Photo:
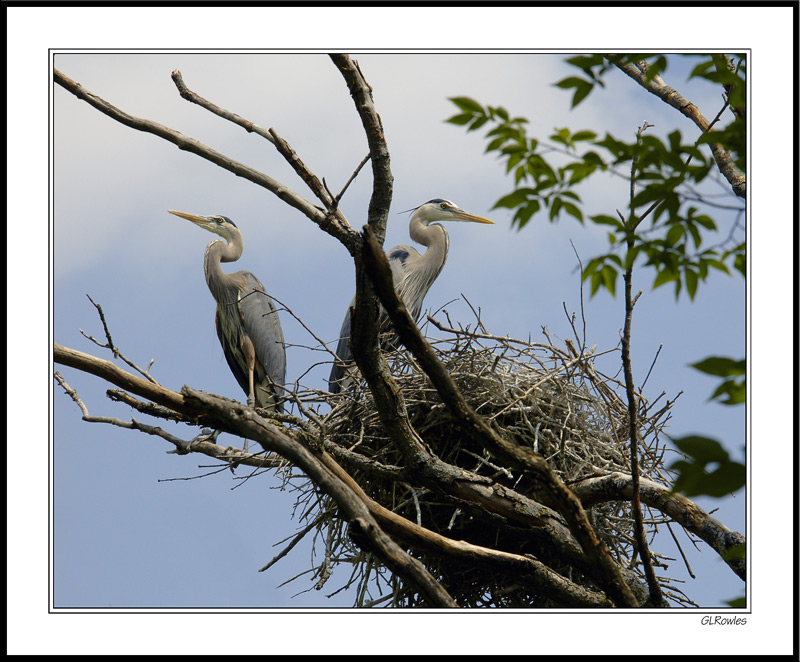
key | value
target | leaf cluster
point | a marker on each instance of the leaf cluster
(707, 469)
(666, 174)
(539, 183)
(732, 390)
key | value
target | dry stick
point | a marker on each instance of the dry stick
(680, 549)
(338, 197)
(114, 349)
(377, 271)
(641, 542)
(296, 539)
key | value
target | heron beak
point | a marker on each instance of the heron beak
(461, 215)
(202, 221)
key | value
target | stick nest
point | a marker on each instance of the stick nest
(550, 399)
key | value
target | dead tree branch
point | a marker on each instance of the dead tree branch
(684, 511)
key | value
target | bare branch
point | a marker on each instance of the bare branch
(311, 180)
(193, 97)
(633, 426)
(684, 511)
(326, 222)
(383, 180)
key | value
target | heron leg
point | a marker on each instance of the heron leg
(250, 356)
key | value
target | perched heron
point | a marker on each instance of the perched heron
(247, 321)
(413, 274)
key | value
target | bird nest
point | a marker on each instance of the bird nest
(537, 395)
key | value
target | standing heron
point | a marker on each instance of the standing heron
(412, 273)
(247, 321)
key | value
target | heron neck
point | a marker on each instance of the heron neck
(219, 251)
(435, 238)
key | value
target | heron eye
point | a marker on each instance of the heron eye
(444, 206)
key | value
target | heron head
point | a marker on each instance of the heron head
(439, 209)
(221, 225)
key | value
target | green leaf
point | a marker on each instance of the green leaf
(740, 264)
(524, 213)
(719, 265)
(572, 209)
(592, 265)
(463, 118)
(693, 479)
(602, 219)
(583, 135)
(737, 603)
(721, 366)
(664, 276)
(571, 81)
(597, 279)
(702, 449)
(690, 277)
(736, 392)
(513, 159)
(702, 69)
(630, 256)
(725, 479)
(478, 123)
(501, 112)
(581, 93)
(555, 208)
(468, 105)
(675, 234)
(513, 199)
(495, 144)
(609, 275)
(695, 234)
(706, 221)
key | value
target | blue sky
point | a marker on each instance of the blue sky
(125, 533)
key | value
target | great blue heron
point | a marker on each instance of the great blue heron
(247, 321)
(413, 274)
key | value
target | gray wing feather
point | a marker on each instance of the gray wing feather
(400, 259)
(261, 323)
(343, 352)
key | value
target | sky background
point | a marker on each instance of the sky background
(126, 534)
